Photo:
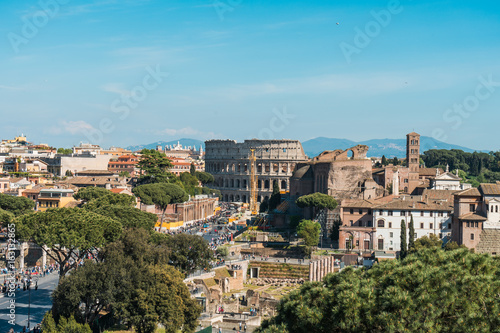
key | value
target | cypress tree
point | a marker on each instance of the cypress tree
(275, 198)
(404, 248)
(411, 241)
(192, 169)
(384, 160)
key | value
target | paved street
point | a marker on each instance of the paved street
(41, 302)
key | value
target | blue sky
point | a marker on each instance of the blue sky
(244, 69)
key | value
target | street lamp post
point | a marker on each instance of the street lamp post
(29, 301)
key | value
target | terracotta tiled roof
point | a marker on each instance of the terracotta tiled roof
(359, 204)
(471, 192)
(490, 189)
(416, 205)
(438, 195)
(472, 217)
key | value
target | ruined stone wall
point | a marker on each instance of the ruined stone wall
(229, 163)
(345, 178)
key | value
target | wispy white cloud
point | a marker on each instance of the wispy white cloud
(71, 127)
(116, 88)
(19, 88)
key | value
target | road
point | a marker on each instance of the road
(41, 302)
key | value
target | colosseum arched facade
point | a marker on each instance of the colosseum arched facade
(229, 163)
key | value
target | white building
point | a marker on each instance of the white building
(448, 181)
(431, 217)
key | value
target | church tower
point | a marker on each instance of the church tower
(413, 160)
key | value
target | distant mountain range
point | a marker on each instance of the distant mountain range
(184, 142)
(378, 147)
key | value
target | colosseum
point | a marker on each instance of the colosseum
(229, 163)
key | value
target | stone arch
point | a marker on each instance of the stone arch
(275, 167)
(350, 154)
(231, 198)
(244, 198)
(259, 183)
(266, 183)
(237, 198)
(259, 198)
(237, 183)
(226, 197)
(259, 167)
(283, 185)
(245, 185)
(232, 182)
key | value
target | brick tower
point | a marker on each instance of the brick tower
(413, 160)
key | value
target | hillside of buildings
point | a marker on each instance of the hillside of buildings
(186, 142)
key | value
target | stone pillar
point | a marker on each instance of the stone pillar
(21, 256)
(316, 272)
(310, 271)
(322, 269)
(44, 257)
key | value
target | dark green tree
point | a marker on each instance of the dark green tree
(404, 246)
(124, 174)
(70, 233)
(309, 231)
(69, 173)
(275, 198)
(192, 169)
(189, 252)
(65, 151)
(204, 177)
(428, 242)
(430, 291)
(161, 195)
(6, 218)
(411, 235)
(129, 217)
(318, 200)
(154, 167)
(16, 205)
(384, 161)
(395, 161)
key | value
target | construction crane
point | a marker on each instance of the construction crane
(253, 183)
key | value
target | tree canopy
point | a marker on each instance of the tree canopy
(318, 200)
(154, 166)
(189, 252)
(6, 217)
(16, 205)
(309, 231)
(204, 177)
(129, 217)
(133, 284)
(98, 196)
(68, 232)
(429, 291)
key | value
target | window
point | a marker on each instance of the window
(422, 213)
(369, 223)
(432, 213)
(351, 211)
(391, 234)
(369, 211)
(406, 180)
(431, 226)
(351, 222)
(403, 213)
(496, 209)
(492, 209)
(440, 214)
(361, 211)
(421, 225)
(357, 243)
(381, 223)
(389, 213)
(472, 207)
(477, 224)
(467, 224)
(471, 236)
(380, 244)
(390, 224)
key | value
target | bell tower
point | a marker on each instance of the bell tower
(413, 160)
